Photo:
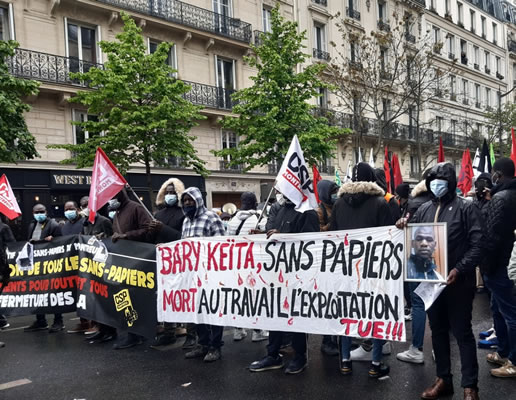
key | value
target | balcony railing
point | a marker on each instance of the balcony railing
(258, 37)
(45, 67)
(384, 26)
(511, 45)
(419, 3)
(189, 15)
(326, 169)
(321, 54)
(210, 96)
(321, 2)
(224, 166)
(351, 13)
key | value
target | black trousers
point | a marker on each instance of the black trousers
(210, 335)
(452, 311)
(276, 339)
(42, 319)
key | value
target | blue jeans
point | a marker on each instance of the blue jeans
(503, 307)
(345, 348)
(418, 317)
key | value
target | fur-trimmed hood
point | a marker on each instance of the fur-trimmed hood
(178, 185)
(355, 193)
(419, 189)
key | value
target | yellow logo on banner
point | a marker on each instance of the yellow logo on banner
(123, 303)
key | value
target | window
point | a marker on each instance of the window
(487, 59)
(479, 128)
(472, 20)
(266, 19)
(319, 37)
(452, 85)
(353, 5)
(171, 59)
(81, 47)
(353, 52)
(414, 165)
(81, 135)
(465, 127)
(447, 6)
(453, 126)
(465, 88)
(383, 59)
(463, 51)
(229, 141)
(382, 11)
(225, 80)
(223, 11)
(6, 22)
(460, 11)
(477, 94)
(451, 45)
(386, 105)
(483, 26)
(439, 124)
(322, 99)
(488, 97)
(498, 65)
(476, 55)
(495, 33)
(436, 34)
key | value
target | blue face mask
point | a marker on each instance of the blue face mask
(171, 199)
(112, 214)
(334, 198)
(70, 215)
(189, 211)
(439, 187)
(40, 217)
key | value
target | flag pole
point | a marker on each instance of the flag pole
(265, 206)
(141, 202)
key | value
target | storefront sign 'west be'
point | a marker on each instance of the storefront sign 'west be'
(72, 179)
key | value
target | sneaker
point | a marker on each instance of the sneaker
(267, 363)
(101, 337)
(508, 370)
(412, 355)
(489, 343)
(346, 367)
(129, 341)
(360, 354)
(408, 314)
(486, 334)
(95, 337)
(91, 331)
(180, 331)
(239, 334)
(163, 340)
(56, 327)
(79, 328)
(4, 324)
(259, 336)
(330, 349)
(378, 371)
(189, 343)
(495, 358)
(296, 365)
(35, 326)
(212, 355)
(387, 349)
(198, 352)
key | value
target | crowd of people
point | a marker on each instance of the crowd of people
(481, 234)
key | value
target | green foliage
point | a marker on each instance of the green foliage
(142, 114)
(16, 142)
(276, 107)
(501, 123)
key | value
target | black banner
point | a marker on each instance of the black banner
(111, 283)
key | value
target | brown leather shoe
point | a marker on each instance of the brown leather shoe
(438, 389)
(470, 394)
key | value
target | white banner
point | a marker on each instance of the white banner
(335, 283)
(293, 180)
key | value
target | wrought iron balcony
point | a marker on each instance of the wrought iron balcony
(224, 166)
(416, 3)
(477, 104)
(326, 169)
(383, 26)
(488, 71)
(321, 2)
(258, 37)
(273, 168)
(451, 56)
(511, 45)
(210, 96)
(321, 54)
(189, 15)
(499, 75)
(476, 66)
(409, 37)
(45, 67)
(351, 13)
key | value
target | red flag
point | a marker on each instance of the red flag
(440, 157)
(8, 204)
(513, 148)
(387, 170)
(465, 182)
(106, 182)
(396, 171)
(316, 180)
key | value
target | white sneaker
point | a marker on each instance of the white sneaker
(359, 354)
(259, 336)
(239, 334)
(387, 349)
(412, 355)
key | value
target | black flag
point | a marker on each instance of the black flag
(485, 161)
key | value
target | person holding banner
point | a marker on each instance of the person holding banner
(453, 308)
(74, 220)
(288, 220)
(361, 204)
(201, 222)
(44, 228)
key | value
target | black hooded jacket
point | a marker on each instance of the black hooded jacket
(394, 206)
(360, 205)
(464, 223)
(501, 223)
(289, 220)
(132, 219)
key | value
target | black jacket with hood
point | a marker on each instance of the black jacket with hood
(464, 223)
(419, 196)
(289, 220)
(394, 206)
(171, 216)
(501, 224)
(360, 205)
(324, 190)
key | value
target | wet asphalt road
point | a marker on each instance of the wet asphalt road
(63, 366)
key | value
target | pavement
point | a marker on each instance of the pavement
(63, 366)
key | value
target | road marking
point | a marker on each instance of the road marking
(12, 384)
(22, 327)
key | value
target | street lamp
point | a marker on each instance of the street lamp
(500, 128)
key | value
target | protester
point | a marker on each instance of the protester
(225, 218)
(287, 220)
(501, 223)
(244, 223)
(402, 195)
(44, 228)
(131, 223)
(83, 204)
(327, 191)
(361, 204)
(74, 221)
(419, 196)
(394, 206)
(167, 227)
(453, 308)
(201, 222)
(6, 237)
(273, 211)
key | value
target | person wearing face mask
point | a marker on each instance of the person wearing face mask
(83, 205)
(453, 308)
(74, 221)
(201, 222)
(44, 228)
